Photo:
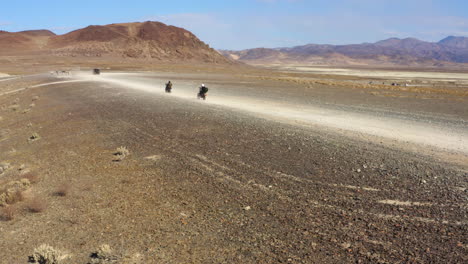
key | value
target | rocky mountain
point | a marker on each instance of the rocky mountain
(394, 51)
(455, 42)
(148, 40)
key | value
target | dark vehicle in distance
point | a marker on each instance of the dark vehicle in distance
(96, 71)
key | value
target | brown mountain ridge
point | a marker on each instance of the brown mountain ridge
(145, 40)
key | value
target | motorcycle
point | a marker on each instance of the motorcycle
(201, 95)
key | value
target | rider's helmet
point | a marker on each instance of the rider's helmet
(203, 85)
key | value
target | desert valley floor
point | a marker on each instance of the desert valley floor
(274, 167)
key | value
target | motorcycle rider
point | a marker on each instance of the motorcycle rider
(202, 92)
(168, 87)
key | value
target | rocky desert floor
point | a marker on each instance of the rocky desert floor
(275, 167)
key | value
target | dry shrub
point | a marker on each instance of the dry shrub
(121, 153)
(46, 254)
(13, 192)
(36, 205)
(104, 255)
(8, 213)
(63, 189)
(16, 197)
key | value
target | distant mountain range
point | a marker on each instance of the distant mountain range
(148, 40)
(409, 51)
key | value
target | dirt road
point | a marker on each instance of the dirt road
(444, 133)
(246, 177)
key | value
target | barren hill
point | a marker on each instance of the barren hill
(24, 41)
(394, 51)
(149, 40)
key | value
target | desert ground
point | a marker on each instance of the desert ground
(276, 166)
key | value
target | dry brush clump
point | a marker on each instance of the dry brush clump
(46, 254)
(121, 153)
(17, 196)
(104, 255)
(12, 192)
(36, 204)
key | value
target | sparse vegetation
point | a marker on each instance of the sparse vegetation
(121, 153)
(36, 205)
(46, 254)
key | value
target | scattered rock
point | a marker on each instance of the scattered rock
(346, 245)
(247, 208)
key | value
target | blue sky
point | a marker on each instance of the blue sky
(239, 24)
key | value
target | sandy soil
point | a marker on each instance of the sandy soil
(227, 181)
